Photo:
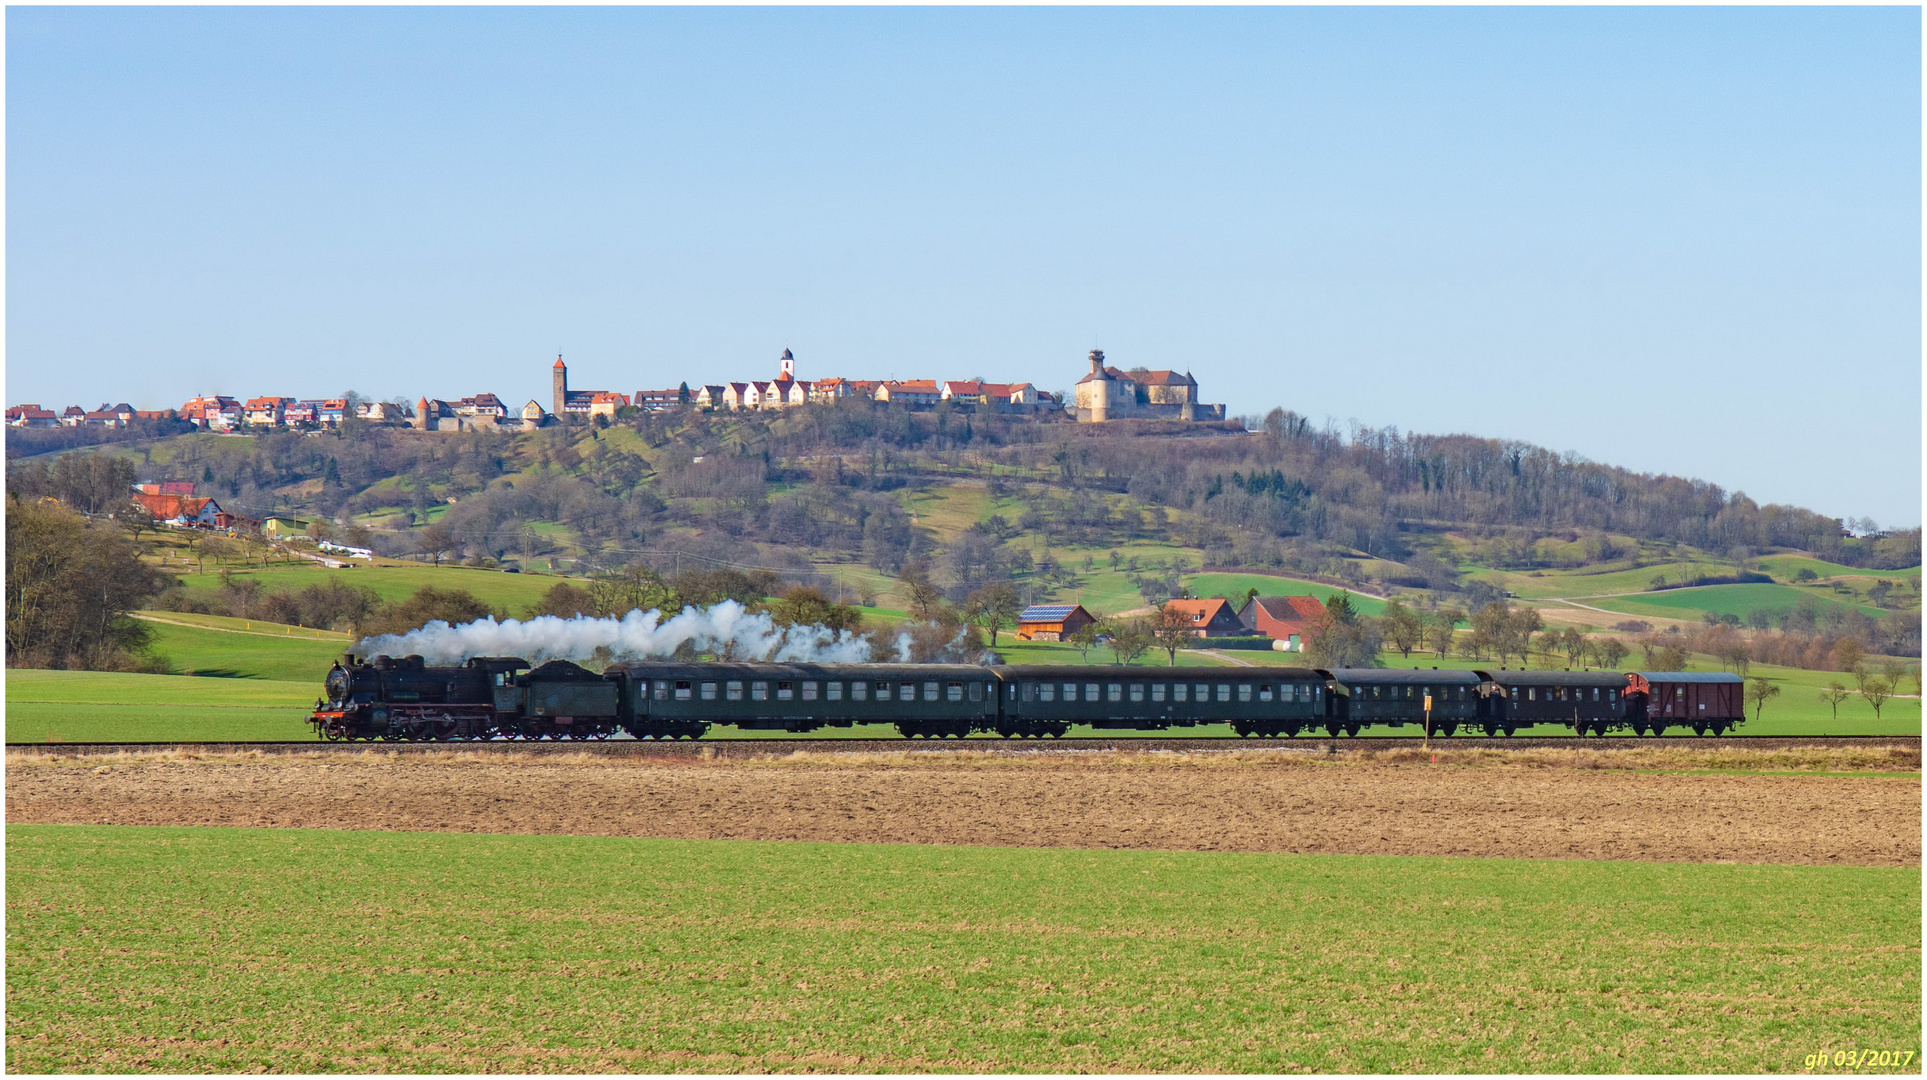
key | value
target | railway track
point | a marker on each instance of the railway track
(743, 748)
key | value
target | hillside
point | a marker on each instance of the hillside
(1115, 517)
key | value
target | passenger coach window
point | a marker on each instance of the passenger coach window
(709, 691)
(977, 691)
(784, 691)
(1090, 692)
(907, 692)
(1157, 691)
(859, 691)
(1047, 691)
(1203, 693)
(1264, 692)
(662, 690)
(952, 692)
(833, 691)
(1178, 691)
(682, 691)
(929, 691)
(809, 691)
(733, 690)
(1070, 691)
(1115, 692)
(759, 691)
(1224, 691)
(1137, 691)
(1244, 691)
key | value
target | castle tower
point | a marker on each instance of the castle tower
(421, 413)
(1101, 388)
(561, 388)
(788, 366)
(1189, 410)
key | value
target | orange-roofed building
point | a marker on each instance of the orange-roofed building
(1209, 618)
(1284, 619)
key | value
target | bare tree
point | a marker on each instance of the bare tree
(1402, 627)
(1758, 691)
(434, 541)
(1876, 690)
(1084, 638)
(993, 607)
(1607, 652)
(1835, 693)
(1129, 639)
(1172, 629)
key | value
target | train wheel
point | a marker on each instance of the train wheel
(1351, 730)
(1657, 729)
(1292, 730)
(1511, 729)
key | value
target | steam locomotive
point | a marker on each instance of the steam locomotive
(506, 698)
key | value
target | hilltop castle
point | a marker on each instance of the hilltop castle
(1109, 394)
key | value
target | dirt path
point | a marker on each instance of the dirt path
(1170, 802)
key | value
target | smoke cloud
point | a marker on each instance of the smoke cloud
(726, 629)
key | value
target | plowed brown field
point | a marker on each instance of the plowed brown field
(1539, 809)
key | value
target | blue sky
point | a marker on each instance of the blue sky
(1680, 240)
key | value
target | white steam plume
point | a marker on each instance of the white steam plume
(725, 629)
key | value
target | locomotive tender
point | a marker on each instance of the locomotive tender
(504, 697)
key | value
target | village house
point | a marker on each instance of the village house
(1052, 622)
(73, 416)
(1284, 619)
(913, 393)
(606, 402)
(32, 416)
(829, 391)
(267, 411)
(182, 509)
(664, 400)
(1209, 618)
(214, 412)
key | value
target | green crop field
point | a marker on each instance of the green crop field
(1237, 585)
(1785, 566)
(220, 652)
(101, 706)
(516, 592)
(234, 950)
(1736, 600)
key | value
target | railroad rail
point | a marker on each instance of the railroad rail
(748, 748)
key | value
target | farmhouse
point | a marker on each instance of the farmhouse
(1052, 622)
(1209, 618)
(1281, 618)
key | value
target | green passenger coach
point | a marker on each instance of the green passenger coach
(1256, 701)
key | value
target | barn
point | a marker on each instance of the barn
(1052, 622)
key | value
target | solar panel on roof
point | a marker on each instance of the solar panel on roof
(1046, 612)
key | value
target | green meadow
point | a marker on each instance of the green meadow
(221, 652)
(1736, 600)
(515, 592)
(104, 706)
(236, 950)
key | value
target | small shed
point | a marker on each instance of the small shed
(1052, 622)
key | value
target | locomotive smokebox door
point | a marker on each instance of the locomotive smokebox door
(559, 688)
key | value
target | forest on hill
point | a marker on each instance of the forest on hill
(793, 491)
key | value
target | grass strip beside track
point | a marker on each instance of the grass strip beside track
(228, 950)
